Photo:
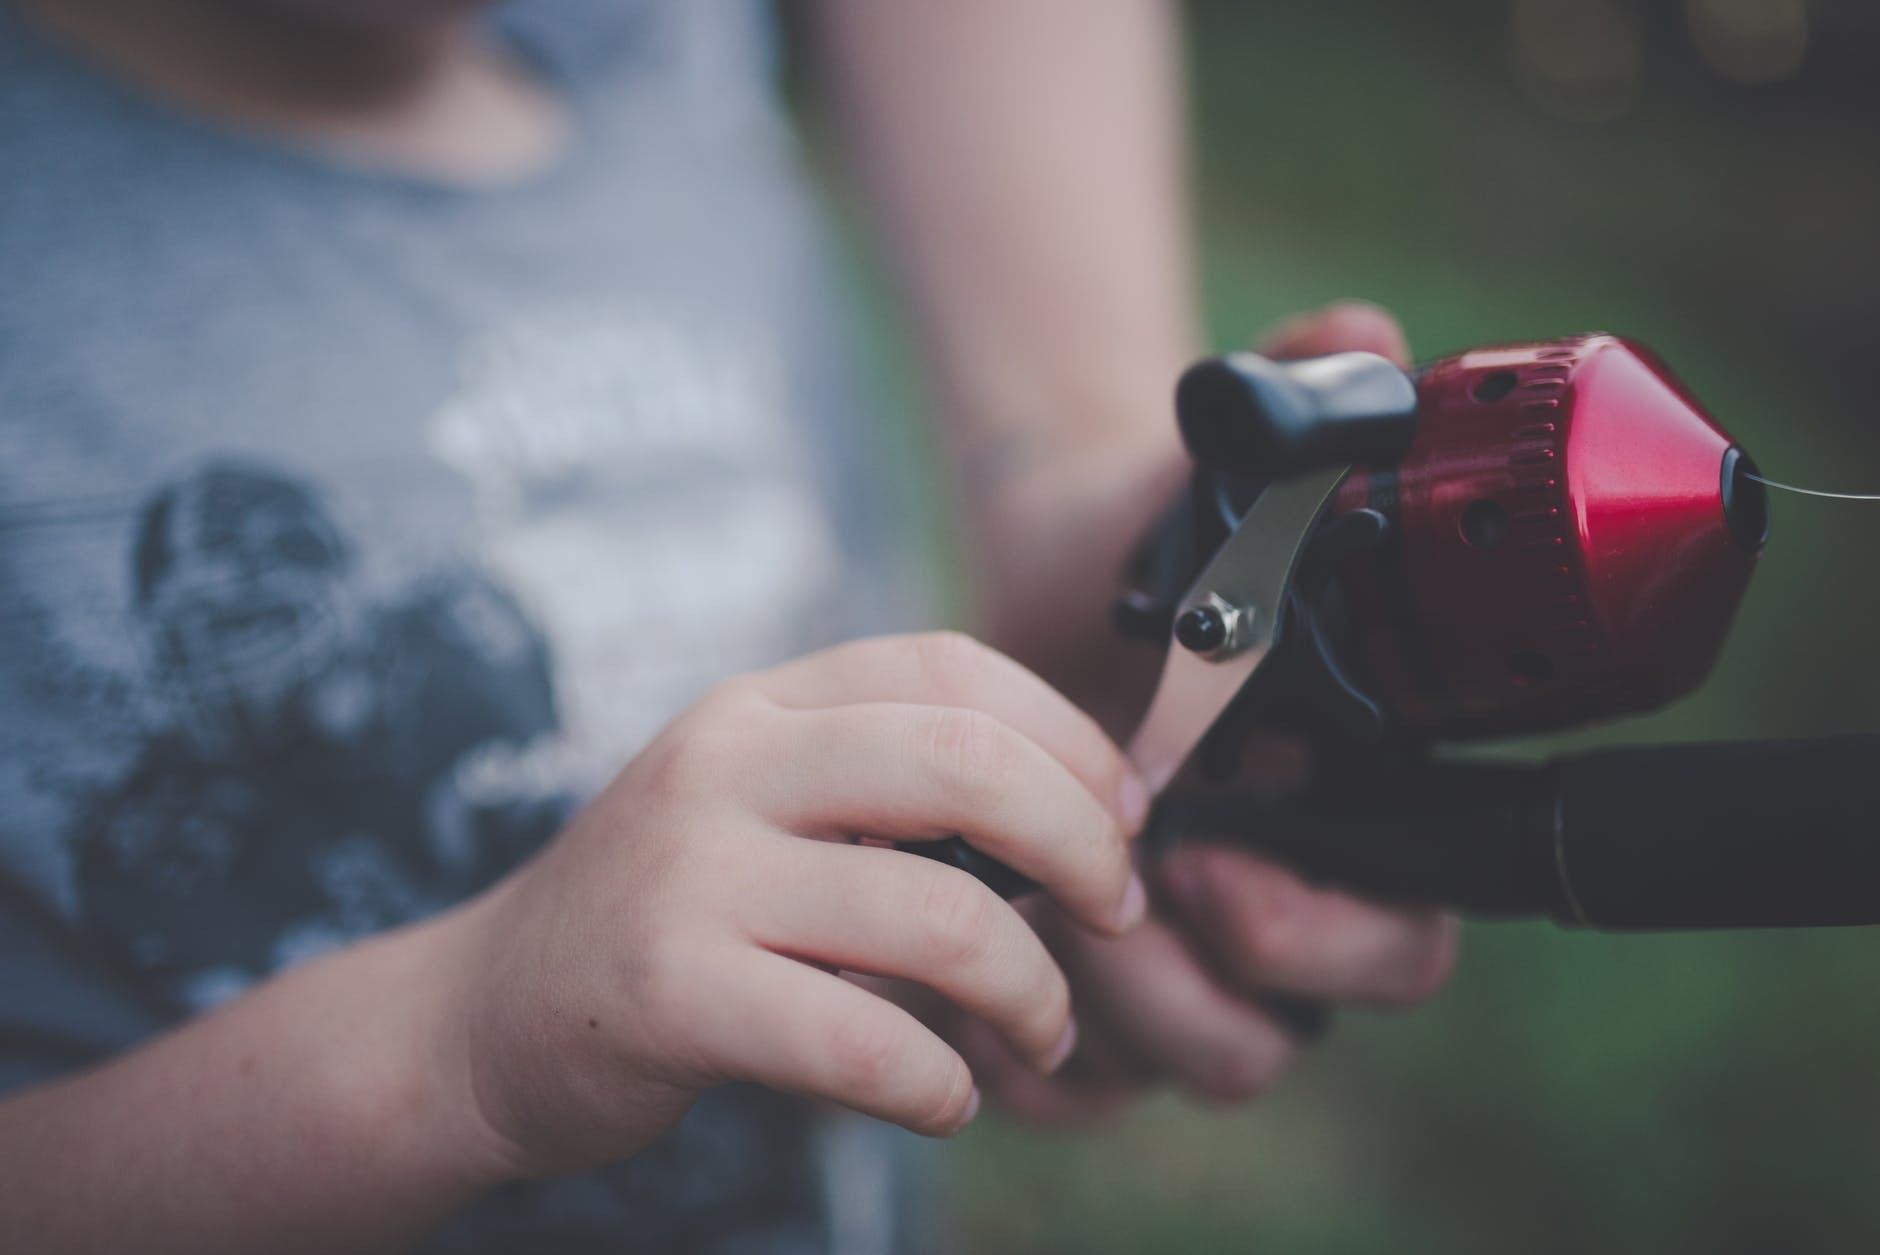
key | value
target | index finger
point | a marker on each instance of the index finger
(953, 669)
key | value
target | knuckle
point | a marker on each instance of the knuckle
(1275, 942)
(866, 1050)
(666, 988)
(1110, 770)
(956, 916)
(969, 751)
(698, 754)
(732, 698)
(663, 978)
(1242, 1075)
(1269, 932)
(949, 659)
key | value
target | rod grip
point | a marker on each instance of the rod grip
(1716, 835)
(954, 852)
(1750, 834)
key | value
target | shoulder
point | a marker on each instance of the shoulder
(96, 167)
(718, 59)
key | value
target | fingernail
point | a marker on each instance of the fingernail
(1066, 1042)
(1235, 1078)
(1132, 801)
(972, 1109)
(1135, 904)
(1182, 881)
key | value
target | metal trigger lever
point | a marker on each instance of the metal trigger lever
(1227, 624)
(1224, 628)
(1297, 427)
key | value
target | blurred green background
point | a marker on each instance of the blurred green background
(1703, 175)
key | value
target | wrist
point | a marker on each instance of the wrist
(402, 1069)
(1049, 544)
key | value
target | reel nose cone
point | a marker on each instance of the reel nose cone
(1575, 535)
(1671, 520)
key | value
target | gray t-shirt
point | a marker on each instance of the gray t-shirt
(353, 526)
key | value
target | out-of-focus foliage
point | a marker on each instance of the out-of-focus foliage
(1705, 176)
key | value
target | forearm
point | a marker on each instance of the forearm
(1028, 162)
(321, 1112)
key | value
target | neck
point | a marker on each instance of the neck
(427, 96)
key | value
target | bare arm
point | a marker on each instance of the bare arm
(683, 932)
(1028, 162)
(314, 1114)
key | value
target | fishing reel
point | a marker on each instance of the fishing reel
(1385, 564)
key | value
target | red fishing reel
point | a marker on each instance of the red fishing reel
(1572, 534)
(1529, 537)
(1509, 540)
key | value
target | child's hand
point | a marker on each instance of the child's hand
(1183, 1000)
(686, 929)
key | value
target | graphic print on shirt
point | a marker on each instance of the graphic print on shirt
(302, 788)
(638, 482)
(425, 392)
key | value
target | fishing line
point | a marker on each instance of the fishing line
(1814, 492)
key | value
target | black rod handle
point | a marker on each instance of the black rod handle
(1718, 835)
(1747, 834)
(1470, 836)
(954, 852)
(1714, 835)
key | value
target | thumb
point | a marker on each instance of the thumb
(1337, 328)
